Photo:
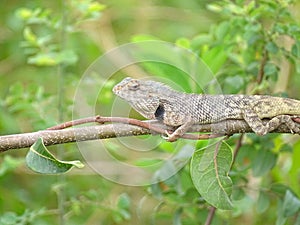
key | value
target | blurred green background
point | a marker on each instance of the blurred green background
(46, 46)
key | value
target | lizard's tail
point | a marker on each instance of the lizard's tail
(271, 107)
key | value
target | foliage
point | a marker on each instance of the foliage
(251, 46)
(40, 160)
(42, 46)
(209, 171)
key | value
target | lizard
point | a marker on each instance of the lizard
(155, 100)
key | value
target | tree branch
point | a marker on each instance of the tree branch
(104, 131)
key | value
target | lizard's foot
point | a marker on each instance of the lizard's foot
(274, 123)
(290, 123)
(296, 119)
(181, 130)
(170, 137)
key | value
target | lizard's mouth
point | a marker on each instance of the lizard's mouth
(151, 117)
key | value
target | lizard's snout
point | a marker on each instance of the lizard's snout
(116, 89)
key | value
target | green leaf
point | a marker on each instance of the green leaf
(30, 36)
(263, 202)
(235, 9)
(9, 218)
(280, 28)
(183, 42)
(294, 169)
(270, 69)
(40, 160)
(27, 217)
(214, 8)
(143, 37)
(279, 188)
(177, 216)
(96, 7)
(272, 47)
(263, 162)
(291, 204)
(44, 59)
(124, 201)
(233, 84)
(238, 193)
(209, 172)
(67, 57)
(281, 219)
(222, 30)
(9, 164)
(123, 206)
(24, 13)
(215, 58)
(200, 40)
(296, 49)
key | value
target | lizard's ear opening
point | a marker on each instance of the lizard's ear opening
(159, 113)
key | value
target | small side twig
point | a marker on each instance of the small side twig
(261, 72)
(72, 123)
(139, 123)
(210, 216)
(154, 128)
(237, 148)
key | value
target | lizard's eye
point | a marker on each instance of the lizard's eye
(134, 87)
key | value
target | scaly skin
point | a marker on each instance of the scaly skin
(155, 100)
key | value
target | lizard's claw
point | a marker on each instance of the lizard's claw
(170, 137)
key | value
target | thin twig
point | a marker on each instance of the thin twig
(72, 123)
(139, 123)
(237, 148)
(154, 128)
(210, 216)
(261, 72)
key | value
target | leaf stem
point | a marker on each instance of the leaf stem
(210, 216)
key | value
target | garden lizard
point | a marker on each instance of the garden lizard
(155, 100)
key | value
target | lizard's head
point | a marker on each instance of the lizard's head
(142, 95)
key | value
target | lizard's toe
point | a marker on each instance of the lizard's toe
(166, 135)
(170, 137)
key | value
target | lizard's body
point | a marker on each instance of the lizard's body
(156, 100)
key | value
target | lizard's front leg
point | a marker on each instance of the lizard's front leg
(178, 132)
(256, 124)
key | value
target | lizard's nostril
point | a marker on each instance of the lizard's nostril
(116, 89)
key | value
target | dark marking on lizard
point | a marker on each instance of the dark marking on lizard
(160, 112)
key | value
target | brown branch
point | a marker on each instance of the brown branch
(261, 72)
(139, 123)
(237, 148)
(103, 131)
(72, 123)
(210, 216)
